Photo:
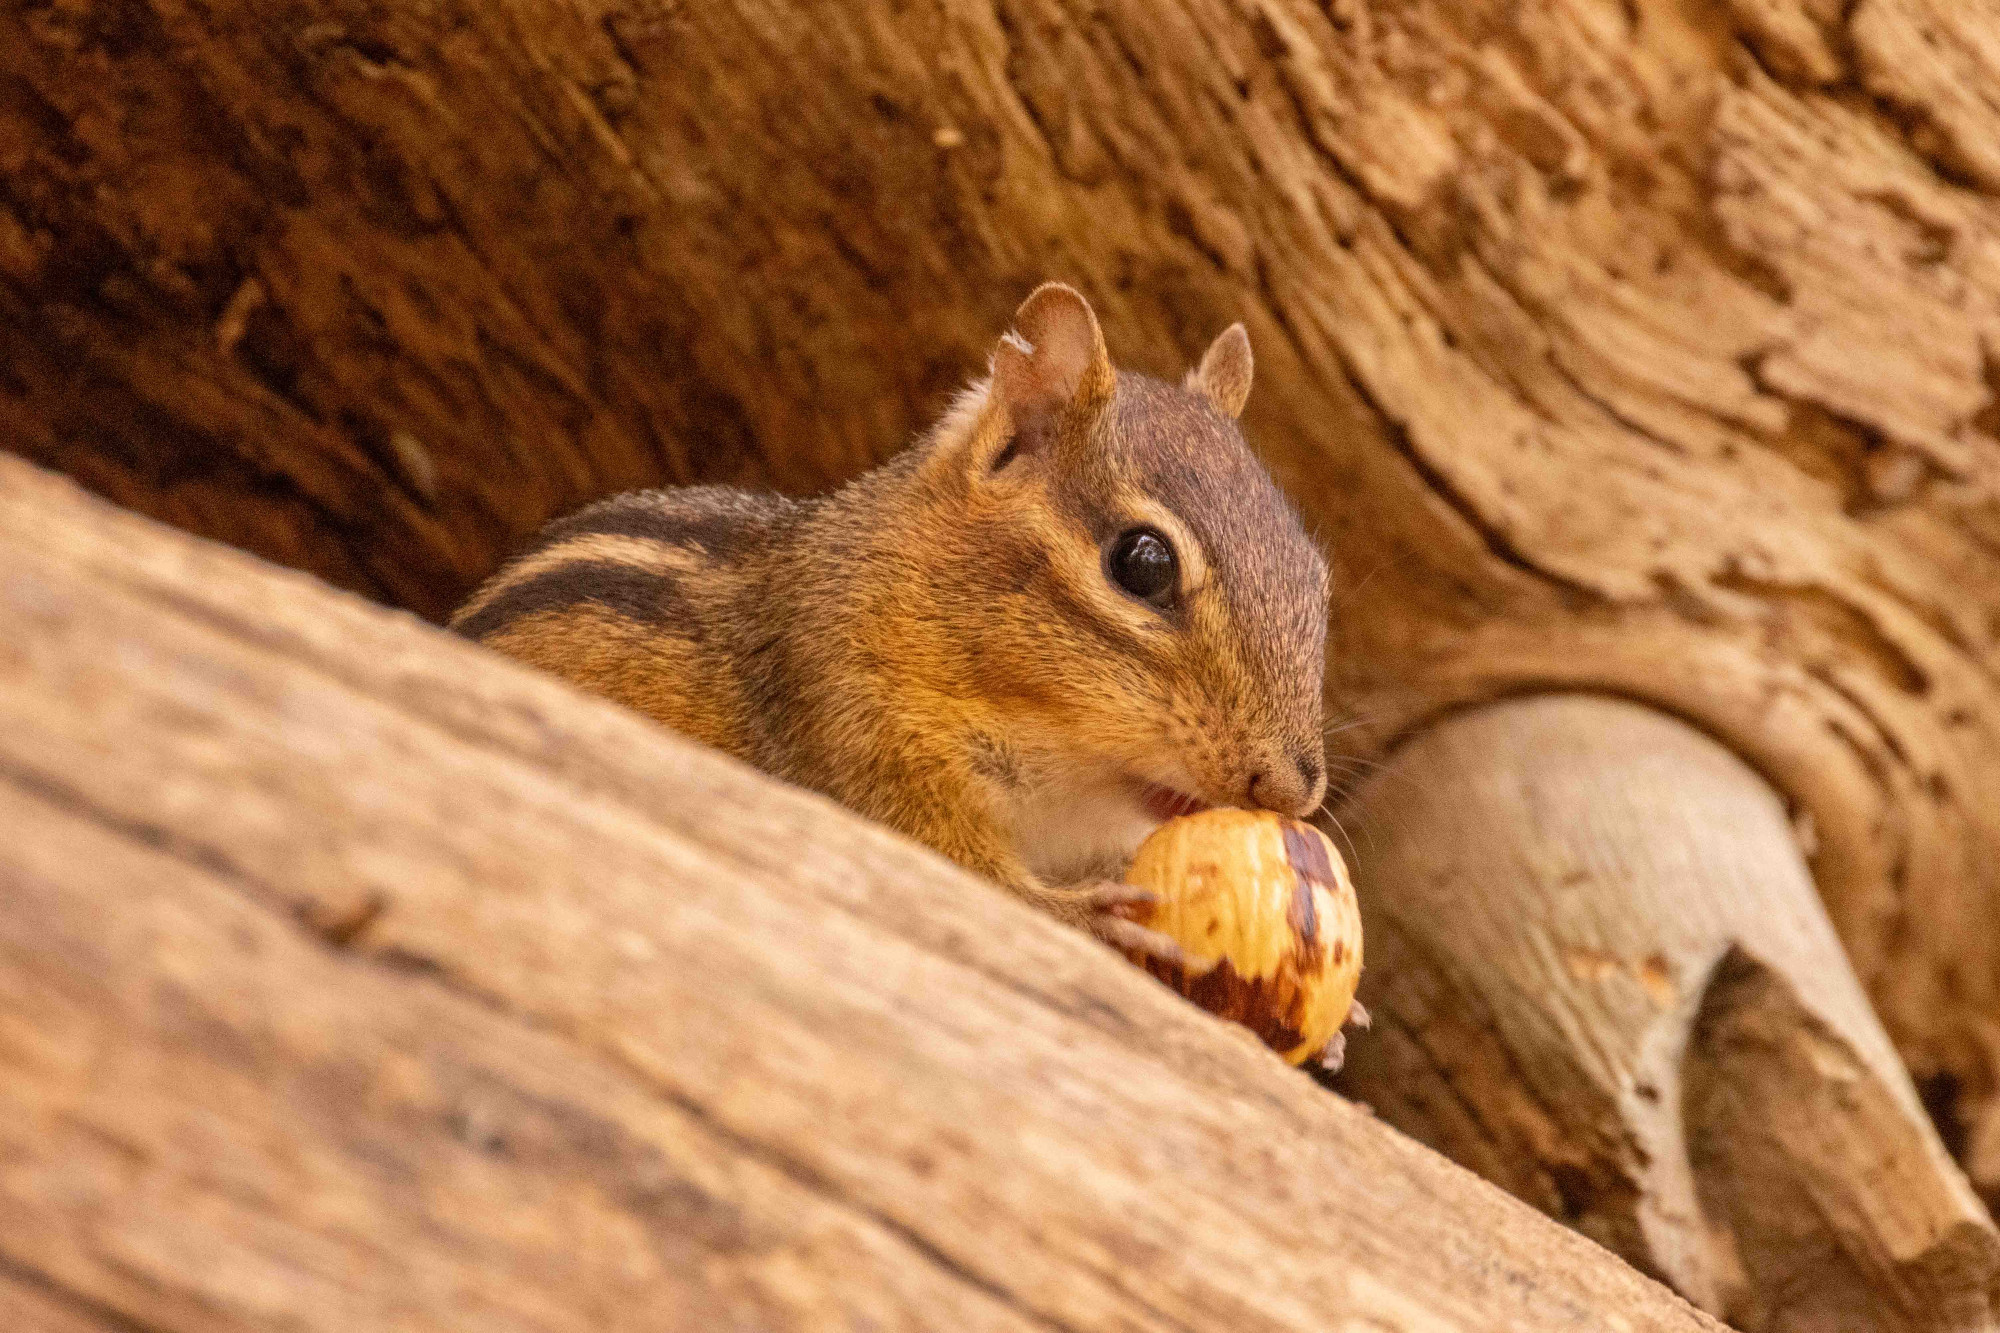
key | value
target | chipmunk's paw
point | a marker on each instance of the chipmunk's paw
(1335, 1054)
(1108, 908)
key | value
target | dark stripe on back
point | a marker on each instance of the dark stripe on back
(722, 522)
(649, 597)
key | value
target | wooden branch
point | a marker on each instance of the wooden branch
(1601, 978)
(352, 977)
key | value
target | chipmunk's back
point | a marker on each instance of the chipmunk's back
(636, 598)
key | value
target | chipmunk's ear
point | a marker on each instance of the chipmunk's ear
(1052, 368)
(1224, 372)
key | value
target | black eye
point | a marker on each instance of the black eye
(1142, 563)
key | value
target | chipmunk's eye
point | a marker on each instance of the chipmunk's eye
(1142, 563)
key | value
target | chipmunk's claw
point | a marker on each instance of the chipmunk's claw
(1109, 895)
(1105, 901)
(1135, 938)
(1335, 1054)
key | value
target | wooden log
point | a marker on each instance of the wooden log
(352, 977)
(1602, 979)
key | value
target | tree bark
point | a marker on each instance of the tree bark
(1601, 978)
(1640, 346)
(353, 978)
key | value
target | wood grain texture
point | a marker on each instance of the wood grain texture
(355, 978)
(1602, 979)
(1643, 346)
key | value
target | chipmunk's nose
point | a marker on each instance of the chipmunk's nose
(1290, 783)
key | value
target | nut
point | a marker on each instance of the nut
(1263, 909)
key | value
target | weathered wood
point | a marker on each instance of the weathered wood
(1639, 345)
(26, 1305)
(1601, 978)
(352, 977)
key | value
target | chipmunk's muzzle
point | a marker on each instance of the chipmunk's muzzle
(1291, 784)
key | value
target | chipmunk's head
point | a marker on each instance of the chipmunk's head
(1151, 606)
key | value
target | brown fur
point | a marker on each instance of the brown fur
(938, 646)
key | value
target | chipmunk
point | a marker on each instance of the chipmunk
(1074, 609)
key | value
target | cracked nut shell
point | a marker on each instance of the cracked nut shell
(1267, 901)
